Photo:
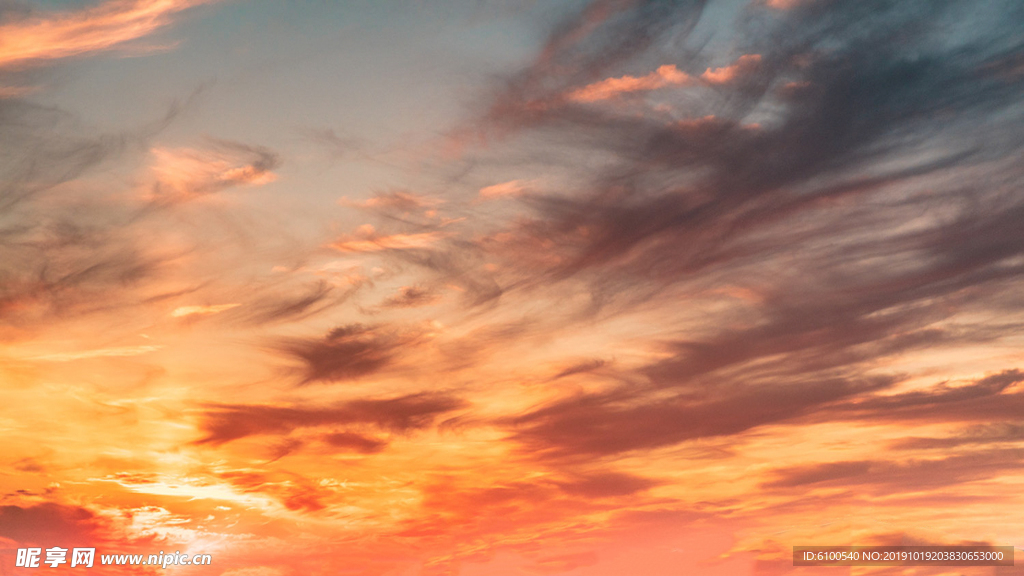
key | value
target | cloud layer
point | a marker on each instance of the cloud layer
(674, 286)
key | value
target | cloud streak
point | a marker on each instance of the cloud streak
(667, 75)
(225, 423)
(33, 39)
(184, 174)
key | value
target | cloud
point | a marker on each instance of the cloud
(49, 524)
(28, 464)
(67, 252)
(185, 173)
(295, 492)
(16, 91)
(202, 310)
(255, 571)
(745, 64)
(785, 4)
(582, 49)
(288, 306)
(45, 147)
(758, 288)
(98, 353)
(732, 188)
(981, 434)
(505, 189)
(623, 420)
(346, 353)
(584, 367)
(31, 39)
(986, 400)
(64, 267)
(227, 422)
(667, 75)
(411, 297)
(399, 201)
(355, 442)
(607, 485)
(905, 475)
(684, 207)
(800, 476)
(367, 240)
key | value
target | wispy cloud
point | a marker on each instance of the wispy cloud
(202, 310)
(39, 37)
(348, 352)
(98, 353)
(710, 275)
(411, 297)
(511, 188)
(185, 173)
(667, 75)
(368, 240)
(49, 522)
(745, 64)
(400, 200)
(224, 423)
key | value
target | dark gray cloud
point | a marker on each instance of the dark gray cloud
(66, 250)
(65, 265)
(606, 485)
(903, 476)
(632, 417)
(682, 199)
(584, 367)
(346, 353)
(411, 297)
(585, 46)
(858, 184)
(49, 524)
(44, 147)
(355, 442)
(627, 419)
(226, 422)
(278, 305)
(678, 199)
(972, 436)
(986, 400)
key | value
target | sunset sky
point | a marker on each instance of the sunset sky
(510, 287)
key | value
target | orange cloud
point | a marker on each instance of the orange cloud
(667, 75)
(367, 240)
(65, 34)
(396, 200)
(743, 65)
(411, 297)
(784, 4)
(203, 310)
(708, 121)
(510, 188)
(100, 353)
(184, 173)
(16, 91)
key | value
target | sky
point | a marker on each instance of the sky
(517, 287)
